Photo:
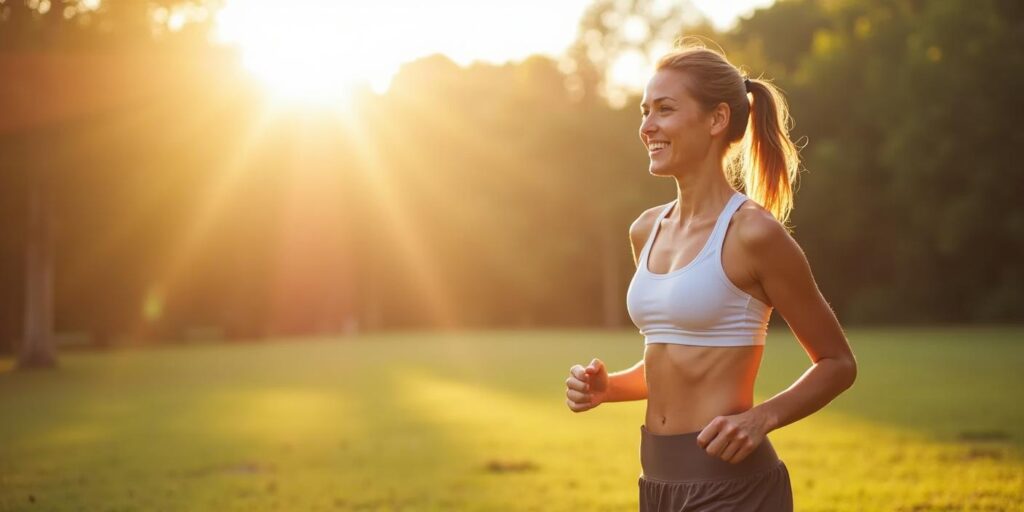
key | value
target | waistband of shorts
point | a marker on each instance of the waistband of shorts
(678, 457)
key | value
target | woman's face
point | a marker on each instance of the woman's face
(675, 129)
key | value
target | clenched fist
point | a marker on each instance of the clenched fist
(586, 388)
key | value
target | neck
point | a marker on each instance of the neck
(701, 192)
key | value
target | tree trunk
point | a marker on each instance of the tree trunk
(612, 299)
(37, 349)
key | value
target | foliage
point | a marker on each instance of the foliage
(910, 206)
(498, 195)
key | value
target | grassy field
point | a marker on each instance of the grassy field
(477, 422)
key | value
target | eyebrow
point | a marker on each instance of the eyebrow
(658, 99)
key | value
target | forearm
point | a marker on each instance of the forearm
(627, 385)
(818, 386)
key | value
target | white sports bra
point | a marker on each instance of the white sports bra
(696, 304)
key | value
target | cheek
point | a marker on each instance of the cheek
(690, 137)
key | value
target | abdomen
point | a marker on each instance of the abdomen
(689, 385)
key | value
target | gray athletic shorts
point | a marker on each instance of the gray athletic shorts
(678, 475)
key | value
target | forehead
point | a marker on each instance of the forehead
(667, 82)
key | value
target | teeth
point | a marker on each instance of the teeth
(657, 145)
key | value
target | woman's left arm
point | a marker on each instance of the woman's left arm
(785, 275)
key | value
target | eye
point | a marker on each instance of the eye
(665, 109)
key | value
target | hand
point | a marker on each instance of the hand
(586, 388)
(732, 438)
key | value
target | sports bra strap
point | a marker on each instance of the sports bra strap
(722, 224)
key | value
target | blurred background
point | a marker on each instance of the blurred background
(245, 169)
(434, 198)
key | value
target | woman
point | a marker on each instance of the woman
(712, 265)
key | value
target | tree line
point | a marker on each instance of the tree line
(496, 195)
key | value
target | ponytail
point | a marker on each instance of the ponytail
(769, 160)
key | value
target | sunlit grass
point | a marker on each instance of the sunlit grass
(477, 421)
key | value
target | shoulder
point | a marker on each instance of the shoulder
(642, 226)
(762, 235)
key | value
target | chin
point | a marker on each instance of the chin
(659, 171)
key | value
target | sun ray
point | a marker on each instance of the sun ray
(412, 247)
(210, 208)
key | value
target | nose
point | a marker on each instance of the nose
(647, 127)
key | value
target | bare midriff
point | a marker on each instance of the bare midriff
(689, 385)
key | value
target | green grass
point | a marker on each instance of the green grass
(477, 421)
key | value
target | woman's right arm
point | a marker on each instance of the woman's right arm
(592, 386)
(627, 385)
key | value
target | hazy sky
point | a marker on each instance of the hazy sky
(724, 13)
(287, 43)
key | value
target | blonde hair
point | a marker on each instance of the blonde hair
(765, 161)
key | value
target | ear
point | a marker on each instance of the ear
(720, 116)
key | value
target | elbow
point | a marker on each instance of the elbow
(847, 371)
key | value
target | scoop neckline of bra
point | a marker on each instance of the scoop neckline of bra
(700, 254)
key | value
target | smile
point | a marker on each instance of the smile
(654, 147)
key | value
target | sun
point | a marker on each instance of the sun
(309, 51)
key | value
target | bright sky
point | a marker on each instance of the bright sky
(314, 47)
(724, 13)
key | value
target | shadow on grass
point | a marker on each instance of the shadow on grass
(510, 452)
